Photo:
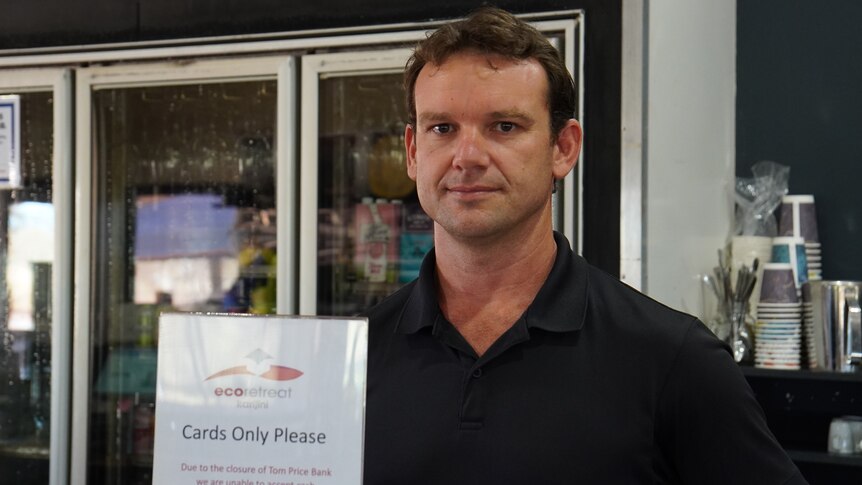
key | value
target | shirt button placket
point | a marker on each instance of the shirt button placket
(473, 404)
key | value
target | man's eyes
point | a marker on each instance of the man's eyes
(505, 126)
(442, 128)
(501, 126)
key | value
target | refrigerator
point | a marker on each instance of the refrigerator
(363, 230)
(181, 215)
(35, 275)
(262, 178)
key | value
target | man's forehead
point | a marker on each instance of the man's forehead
(505, 98)
(478, 60)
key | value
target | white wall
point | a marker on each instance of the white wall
(690, 116)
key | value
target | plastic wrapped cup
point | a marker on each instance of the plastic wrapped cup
(779, 284)
(744, 249)
(798, 218)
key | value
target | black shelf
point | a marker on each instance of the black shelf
(826, 394)
(802, 374)
(822, 457)
(799, 406)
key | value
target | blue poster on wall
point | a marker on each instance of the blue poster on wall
(10, 141)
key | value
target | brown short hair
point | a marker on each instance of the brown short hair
(493, 31)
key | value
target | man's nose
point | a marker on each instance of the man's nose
(471, 150)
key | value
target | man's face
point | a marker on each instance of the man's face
(482, 153)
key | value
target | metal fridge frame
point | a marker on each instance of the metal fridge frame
(382, 61)
(279, 68)
(59, 82)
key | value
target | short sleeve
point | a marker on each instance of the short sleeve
(709, 426)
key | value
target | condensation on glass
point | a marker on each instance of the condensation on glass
(372, 231)
(184, 220)
(26, 257)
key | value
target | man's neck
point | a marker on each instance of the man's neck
(484, 288)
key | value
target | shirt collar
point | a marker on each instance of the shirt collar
(421, 309)
(560, 305)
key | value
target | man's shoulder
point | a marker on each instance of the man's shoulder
(609, 294)
(628, 315)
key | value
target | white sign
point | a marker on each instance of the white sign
(260, 400)
(10, 141)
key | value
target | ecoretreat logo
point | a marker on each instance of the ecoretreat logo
(259, 366)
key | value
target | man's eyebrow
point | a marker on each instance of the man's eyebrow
(513, 114)
(433, 117)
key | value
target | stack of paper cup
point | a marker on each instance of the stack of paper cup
(743, 251)
(810, 338)
(798, 219)
(778, 331)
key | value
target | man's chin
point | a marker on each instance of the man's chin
(478, 228)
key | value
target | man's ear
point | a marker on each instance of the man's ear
(410, 148)
(567, 148)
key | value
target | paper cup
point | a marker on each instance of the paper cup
(743, 251)
(779, 284)
(798, 218)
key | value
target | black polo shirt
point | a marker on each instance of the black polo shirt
(594, 384)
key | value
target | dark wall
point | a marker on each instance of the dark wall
(799, 103)
(52, 23)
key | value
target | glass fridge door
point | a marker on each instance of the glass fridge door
(363, 232)
(183, 218)
(33, 362)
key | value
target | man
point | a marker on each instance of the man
(510, 359)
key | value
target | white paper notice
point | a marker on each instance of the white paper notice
(260, 400)
(10, 141)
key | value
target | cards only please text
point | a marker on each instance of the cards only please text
(254, 435)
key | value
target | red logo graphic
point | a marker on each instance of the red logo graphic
(258, 366)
